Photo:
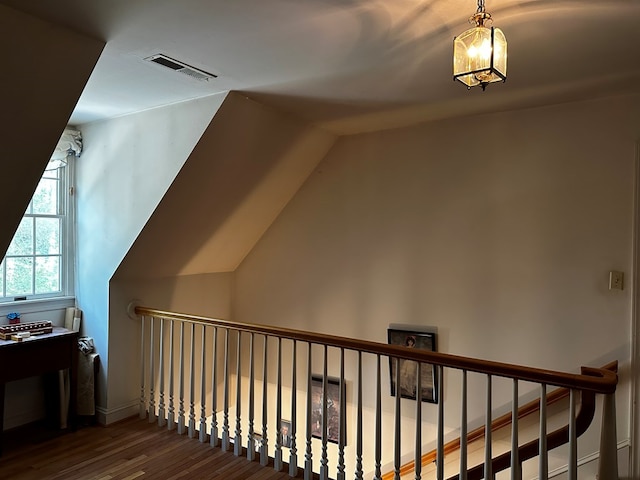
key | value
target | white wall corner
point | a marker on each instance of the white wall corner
(107, 416)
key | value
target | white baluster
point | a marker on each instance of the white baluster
(213, 437)
(225, 415)
(293, 453)
(463, 429)
(543, 457)
(143, 405)
(171, 414)
(324, 461)
(358, 473)
(308, 458)
(162, 419)
(192, 383)
(203, 386)
(251, 441)
(573, 441)
(516, 473)
(608, 461)
(378, 464)
(181, 426)
(277, 460)
(342, 414)
(439, 377)
(417, 460)
(396, 437)
(152, 394)
(264, 447)
(237, 445)
(488, 454)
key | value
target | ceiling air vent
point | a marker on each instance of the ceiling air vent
(180, 67)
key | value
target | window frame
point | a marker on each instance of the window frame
(66, 214)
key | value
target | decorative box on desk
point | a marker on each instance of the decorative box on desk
(37, 355)
(34, 328)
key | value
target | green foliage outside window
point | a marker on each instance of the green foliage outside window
(33, 263)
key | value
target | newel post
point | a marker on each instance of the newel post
(608, 462)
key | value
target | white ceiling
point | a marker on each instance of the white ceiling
(349, 65)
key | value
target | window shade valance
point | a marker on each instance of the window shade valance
(70, 144)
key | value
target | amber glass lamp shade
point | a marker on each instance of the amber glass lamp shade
(480, 56)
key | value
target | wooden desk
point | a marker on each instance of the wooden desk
(37, 355)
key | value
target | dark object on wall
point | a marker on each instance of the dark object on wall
(285, 433)
(333, 408)
(409, 368)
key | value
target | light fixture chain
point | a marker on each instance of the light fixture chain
(480, 6)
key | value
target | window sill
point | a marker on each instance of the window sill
(37, 305)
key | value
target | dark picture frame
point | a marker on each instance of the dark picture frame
(408, 368)
(285, 433)
(333, 408)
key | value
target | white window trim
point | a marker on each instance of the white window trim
(67, 248)
(36, 305)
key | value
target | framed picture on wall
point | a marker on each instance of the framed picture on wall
(285, 433)
(333, 408)
(409, 368)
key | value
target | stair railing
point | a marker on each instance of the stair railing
(527, 451)
(323, 429)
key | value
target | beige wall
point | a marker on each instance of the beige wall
(205, 294)
(127, 165)
(208, 295)
(246, 165)
(498, 230)
(503, 241)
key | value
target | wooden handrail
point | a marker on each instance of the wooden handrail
(501, 422)
(605, 382)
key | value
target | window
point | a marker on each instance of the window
(35, 265)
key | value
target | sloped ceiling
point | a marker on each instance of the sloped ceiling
(247, 165)
(348, 65)
(45, 69)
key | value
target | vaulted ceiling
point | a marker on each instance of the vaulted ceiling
(348, 65)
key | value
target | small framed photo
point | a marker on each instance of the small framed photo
(409, 368)
(333, 408)
(257, 440)
(285, 433)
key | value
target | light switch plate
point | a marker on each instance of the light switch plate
(616, 280)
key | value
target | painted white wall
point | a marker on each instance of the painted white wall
(247, 163)
(126, 167)
(499, 229)
(207, 295)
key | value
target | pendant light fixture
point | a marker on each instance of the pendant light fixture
(480, 53)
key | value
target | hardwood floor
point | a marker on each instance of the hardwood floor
(129, 449)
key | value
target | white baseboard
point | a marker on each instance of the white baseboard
(107, 416)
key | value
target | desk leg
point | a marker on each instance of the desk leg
(1, 415)
(73, 390)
